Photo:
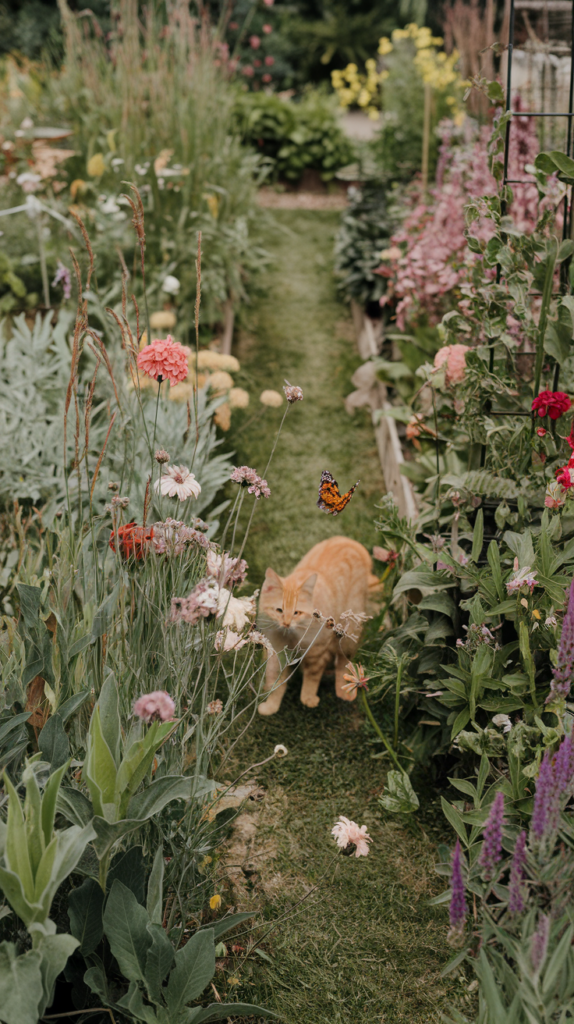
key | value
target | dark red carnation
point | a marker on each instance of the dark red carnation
(553, 403)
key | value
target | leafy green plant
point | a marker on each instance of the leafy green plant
(366, 227)
(295, 135)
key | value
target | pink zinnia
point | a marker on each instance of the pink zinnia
(455, 359)
(155, 707)
(164, 359)
(347, 832)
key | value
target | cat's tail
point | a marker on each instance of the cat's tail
(374, 584)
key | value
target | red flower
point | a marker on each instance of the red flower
(555, 403)
(541, 431)
(133, 540)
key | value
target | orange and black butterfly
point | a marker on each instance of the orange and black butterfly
(331, 500)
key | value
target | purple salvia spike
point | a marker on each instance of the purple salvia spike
(563, 765)
(491, 851)
(563, 674)
(540, 942)
(543, 797)
(457, 903)
(515, 886)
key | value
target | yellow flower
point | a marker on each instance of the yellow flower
(220, 382)
(222, 416)
(96, 166)
(233, 981)
(385, 46)
(271, 398)
(208, 360)
(238, 398)
(212, 201)
(164, 319)
(78, 186)
(215, 902)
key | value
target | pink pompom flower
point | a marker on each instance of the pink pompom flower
(269, 61)
(455, 358)
(164, 359)
(254, 42)
(347, 833)
(155, 707)
(267, 29)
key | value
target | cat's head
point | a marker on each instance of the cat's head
(286, 603)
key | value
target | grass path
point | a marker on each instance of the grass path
(365, 948)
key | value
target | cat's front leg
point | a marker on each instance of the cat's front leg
(276, 681)
(313, 669)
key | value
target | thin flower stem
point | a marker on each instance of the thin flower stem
(397, 703)
(379, 733)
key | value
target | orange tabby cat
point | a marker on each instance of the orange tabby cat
(333, 577)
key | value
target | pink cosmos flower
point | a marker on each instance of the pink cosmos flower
(155, 707)
(178, 482)
(454, 357)
(164, 359)
(347, 832)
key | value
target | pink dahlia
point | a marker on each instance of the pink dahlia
(455, 359)
(347, 832)
(155, 707)
(555, 403)
(164, 359)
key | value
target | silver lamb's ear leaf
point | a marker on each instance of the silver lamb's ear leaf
(154, 902)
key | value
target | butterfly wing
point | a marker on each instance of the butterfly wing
(331, 500)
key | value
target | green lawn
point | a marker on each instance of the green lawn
(365, 948)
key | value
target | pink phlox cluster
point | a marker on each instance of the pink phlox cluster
(250, 478)
(172, 537)
(491, 851)
(155, 707)
(201, 603)
(435, 260)
(564, 672)
(225, 569)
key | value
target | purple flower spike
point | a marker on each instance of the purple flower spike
(457, 903)
(563, 675)
(516, 887)
(564, 765)
(492, 837)
(542, 812)
(540, 942)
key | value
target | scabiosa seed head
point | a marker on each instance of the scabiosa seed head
(161, 456)
(516, 883)
(491, 851)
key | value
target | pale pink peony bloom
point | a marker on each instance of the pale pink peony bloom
(155, 707)
(226, 569)
(178, 482)
(346, 832)
(236, 611)
(228, 640)
(455, 359)
(164, 358)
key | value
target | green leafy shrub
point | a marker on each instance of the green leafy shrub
(295, 135)
(366, 227)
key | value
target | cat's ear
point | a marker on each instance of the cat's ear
(273, 582)
(306, 589)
